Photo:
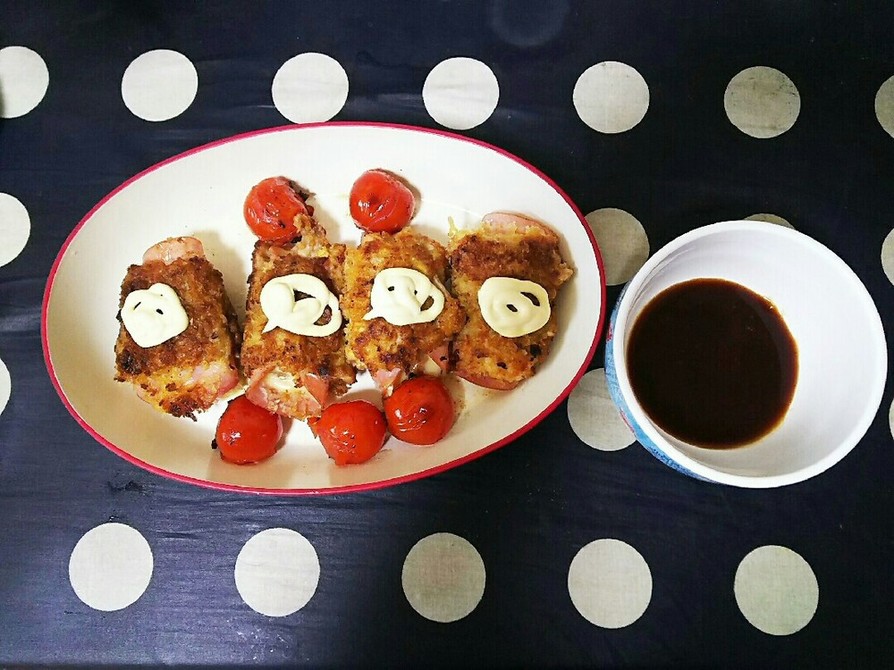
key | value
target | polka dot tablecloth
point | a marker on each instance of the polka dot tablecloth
(570, 546)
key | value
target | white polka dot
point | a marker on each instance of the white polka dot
(610, 583)
(310, 87)
(277, 572)
(110, 567)
(769, 218)
(762, 102)
(888, 256)
(15, 228)
(24, 79)
(776, 590)
(884, 106)
(611, 97)
(5, 386)
(159, 85)
(594, 417)
(443, 577)
(890, 419)
(622, 241)
(460, 93)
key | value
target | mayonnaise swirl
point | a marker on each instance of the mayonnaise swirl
(513, 307)
(403, 296)
(300, 316)
(153, 315)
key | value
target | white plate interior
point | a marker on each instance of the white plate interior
(201, 194)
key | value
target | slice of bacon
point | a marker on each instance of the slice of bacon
(219, 376)
(488, 382)
(512, 222)
(307, 397)
(318, 387)
(435, 362)
(173, 248)
(388, 380)
(441, 357)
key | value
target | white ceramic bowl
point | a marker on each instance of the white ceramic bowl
(201, 193)
(842, 354)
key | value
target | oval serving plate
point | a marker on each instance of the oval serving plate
(201, 193)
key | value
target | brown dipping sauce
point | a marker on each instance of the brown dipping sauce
(712, 363)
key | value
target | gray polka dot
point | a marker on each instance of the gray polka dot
(769, 218)
(15, 228)
(443, 577)
(24, 80)
(762, 102)
(277, 572)
(460, 93)
(159, 85)
(594, 417)
(884, 106)
(110, 567)
(5, 386)
(622, 241)
(610, 583)
(528, 23)
(888, 256)
(776, 590)
(309, 88)
(611, 97)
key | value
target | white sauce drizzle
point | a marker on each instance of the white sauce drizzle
(399, 295)
(300, 316)
(153, 315)
(513, 307)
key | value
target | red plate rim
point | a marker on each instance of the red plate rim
(367, 486)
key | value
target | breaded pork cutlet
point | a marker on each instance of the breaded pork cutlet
(518, 255)
(293, 350)
(176, 305)
(400, 313)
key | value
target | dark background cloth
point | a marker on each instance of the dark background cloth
(530, 506)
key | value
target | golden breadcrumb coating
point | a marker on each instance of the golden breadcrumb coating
(187, 373)
(392, 352)
(294, 375)
(521, 249)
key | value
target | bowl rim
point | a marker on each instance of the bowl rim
(637, 416)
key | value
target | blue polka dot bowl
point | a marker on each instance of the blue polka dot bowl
(841, 349)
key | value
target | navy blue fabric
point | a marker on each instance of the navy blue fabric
(529, 507)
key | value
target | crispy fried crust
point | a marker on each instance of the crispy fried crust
(284, 354)
(379, 346)
(527, 252)
(182, 376)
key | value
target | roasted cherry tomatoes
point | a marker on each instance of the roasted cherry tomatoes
(380, 202)
(420, 411)
(351, 431)
(271, 207)
(247, 433)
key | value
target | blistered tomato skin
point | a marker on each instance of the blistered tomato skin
(271, 207)
(247, 433)
(420, 411)
(351, 432)
(380, 202)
